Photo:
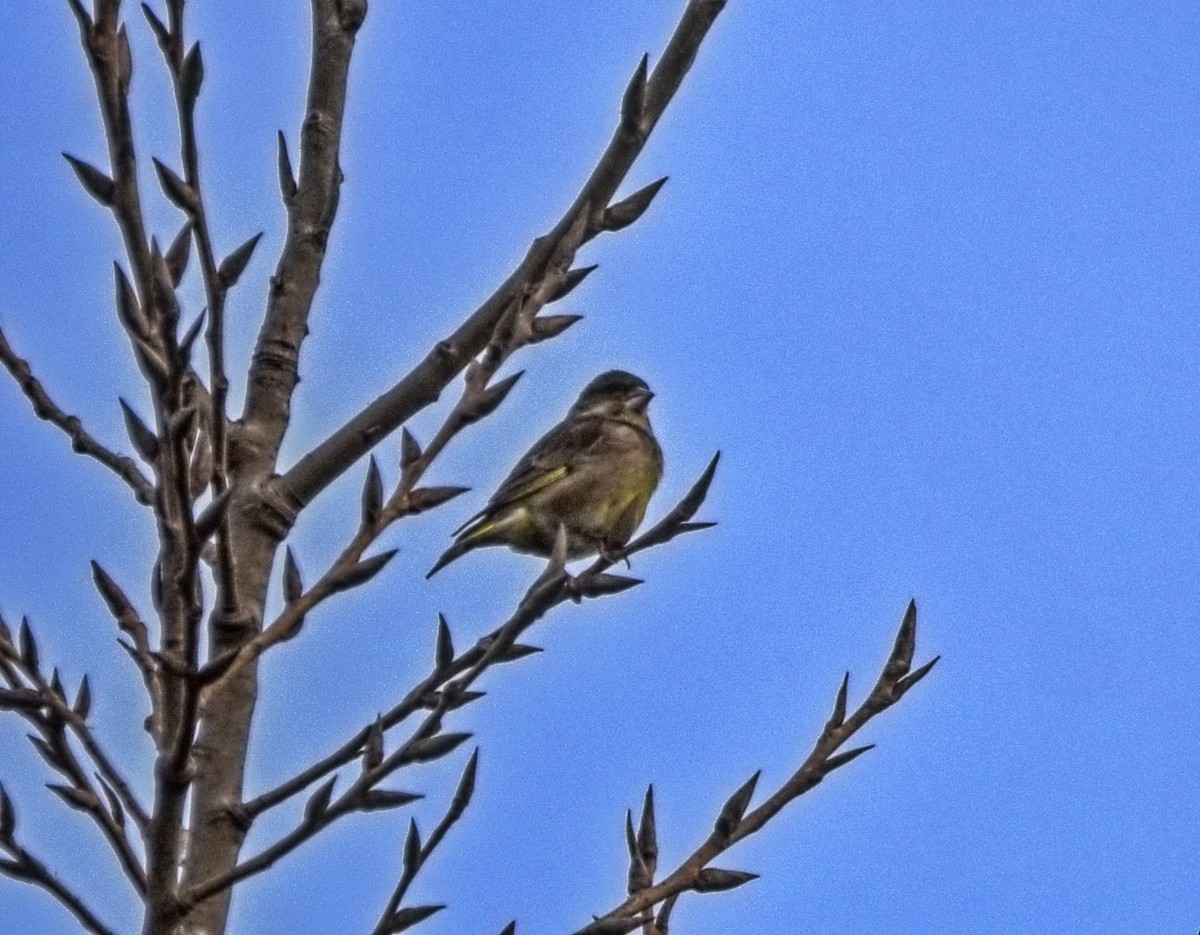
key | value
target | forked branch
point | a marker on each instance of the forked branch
(734, 822)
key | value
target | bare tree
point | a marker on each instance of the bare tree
(223, 506)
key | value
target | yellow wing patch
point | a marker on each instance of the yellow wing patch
(533, 485)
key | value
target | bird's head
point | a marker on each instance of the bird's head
(615, 395)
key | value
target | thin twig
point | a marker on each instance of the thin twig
(25, 867)
(735, 823)
(185, 72)
(414, 861)
(50, 719)
(81, 441)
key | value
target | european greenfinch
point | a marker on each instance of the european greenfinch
(593, 474)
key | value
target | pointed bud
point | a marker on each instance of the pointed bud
(623, 213)
(466, 789)
(232, 266)
(85, 21)
(114, 598)
(734, 809)
(210, 519)
(364, 571)
(191, 76)
(545, 327)
(487, 401)
(518, 651)
(179, 251)
(27, 646)
(56, 686)
(412, 850)
(287, 179)
(633, 102)
(601, 584)
(433, 748)
(410, 450)
(293, 587)
(906, 644)
(46, 752)
(83, 700)
(144, 441)
(189, 338)
(647, 837)
(841, 759)
(156, 26)
(713, 880)
(114, 804)
(639, 877)
(178, 192)
(128, 308)
(571, 279)
(379, 800)
(913, 677)
(315, 808)
(94, 182)
(372, 493)
(691, 502)
(427, 498)
(693, 527)
(444, 652)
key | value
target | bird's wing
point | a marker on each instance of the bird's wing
(550, 459)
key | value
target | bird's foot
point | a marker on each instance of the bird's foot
(615, 554)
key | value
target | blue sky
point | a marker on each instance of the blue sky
(926, 274)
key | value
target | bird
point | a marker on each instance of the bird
(593, 474)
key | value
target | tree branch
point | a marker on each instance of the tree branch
(451, 677)
(24, 866)
(416, 853)
(311, 210)
(734, 823)
(422, 386)
(45, 408)
(187, 73)
(20, 668)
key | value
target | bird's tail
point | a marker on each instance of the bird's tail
(458, 550)
(482, 531)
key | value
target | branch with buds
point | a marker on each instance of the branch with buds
(734, 823)
(43, 704)
(447, 688)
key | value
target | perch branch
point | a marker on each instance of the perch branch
(455, 674)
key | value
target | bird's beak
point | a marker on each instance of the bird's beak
(640, 400)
